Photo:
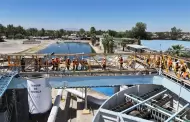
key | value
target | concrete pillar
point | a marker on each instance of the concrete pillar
(86, 111)
(116, 89)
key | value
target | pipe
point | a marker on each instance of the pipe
(89, 98)
(174, 115)
(133, 107)
(54, 110)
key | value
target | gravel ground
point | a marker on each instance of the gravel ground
(15, 46)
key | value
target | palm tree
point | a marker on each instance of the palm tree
(93, 39)
(111, 45)
(108, 43)
(123, 44)
(175, 50)
(105, 42)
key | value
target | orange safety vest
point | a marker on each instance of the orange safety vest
(170, 62)
(185, 74)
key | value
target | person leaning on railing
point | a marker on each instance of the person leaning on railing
(82, 63)
(121, 62)
(74, 64)
(86, 66)
(170, 64)
(158, 61)
(68, 63)
(177, 67)
(104, 64)
(22, 64)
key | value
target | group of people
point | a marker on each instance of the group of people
(120, 63)
(75, 64)
(179, 67)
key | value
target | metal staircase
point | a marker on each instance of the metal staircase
(5, 80)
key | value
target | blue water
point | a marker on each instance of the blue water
(67, 48)
(163, 44)
(105, 90)
(76, 48)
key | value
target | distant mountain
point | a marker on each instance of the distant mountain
(71, 29)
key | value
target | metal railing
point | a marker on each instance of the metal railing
(93, 62)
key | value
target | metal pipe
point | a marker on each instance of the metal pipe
(174, 115)
(159, 110)
(109, 118)
(133, 107)
(54, 110)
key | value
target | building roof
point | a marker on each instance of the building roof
(137, 46)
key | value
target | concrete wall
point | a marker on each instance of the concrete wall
(21, 107)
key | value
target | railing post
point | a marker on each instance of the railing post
(160, 70)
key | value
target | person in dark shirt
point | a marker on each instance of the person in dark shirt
(23, 64)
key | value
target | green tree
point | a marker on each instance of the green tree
(123, 44)
(93, 39)
(175, 33)
(175, 50)
(42, 32)
(108, 43)
(129, 34)
(92, 30)
(32, 32)
(112, 33)
(139, 31)
(62, 32)
(81, 32)
(2, 30)
(10, 31)
(161, 35)
(20, 30)
(93, 35)
(100, 32)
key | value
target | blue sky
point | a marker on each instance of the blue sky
(160, 15)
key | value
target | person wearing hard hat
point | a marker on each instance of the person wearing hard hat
(104, 64)
(53, 61)
(177, 67)
(77, 63)
(67, 63)
(36, 64)
(121, 62)
(170, 64)
(82, 63)
(74, 64)
(23, 64)
(148, 61)
(57, 63)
